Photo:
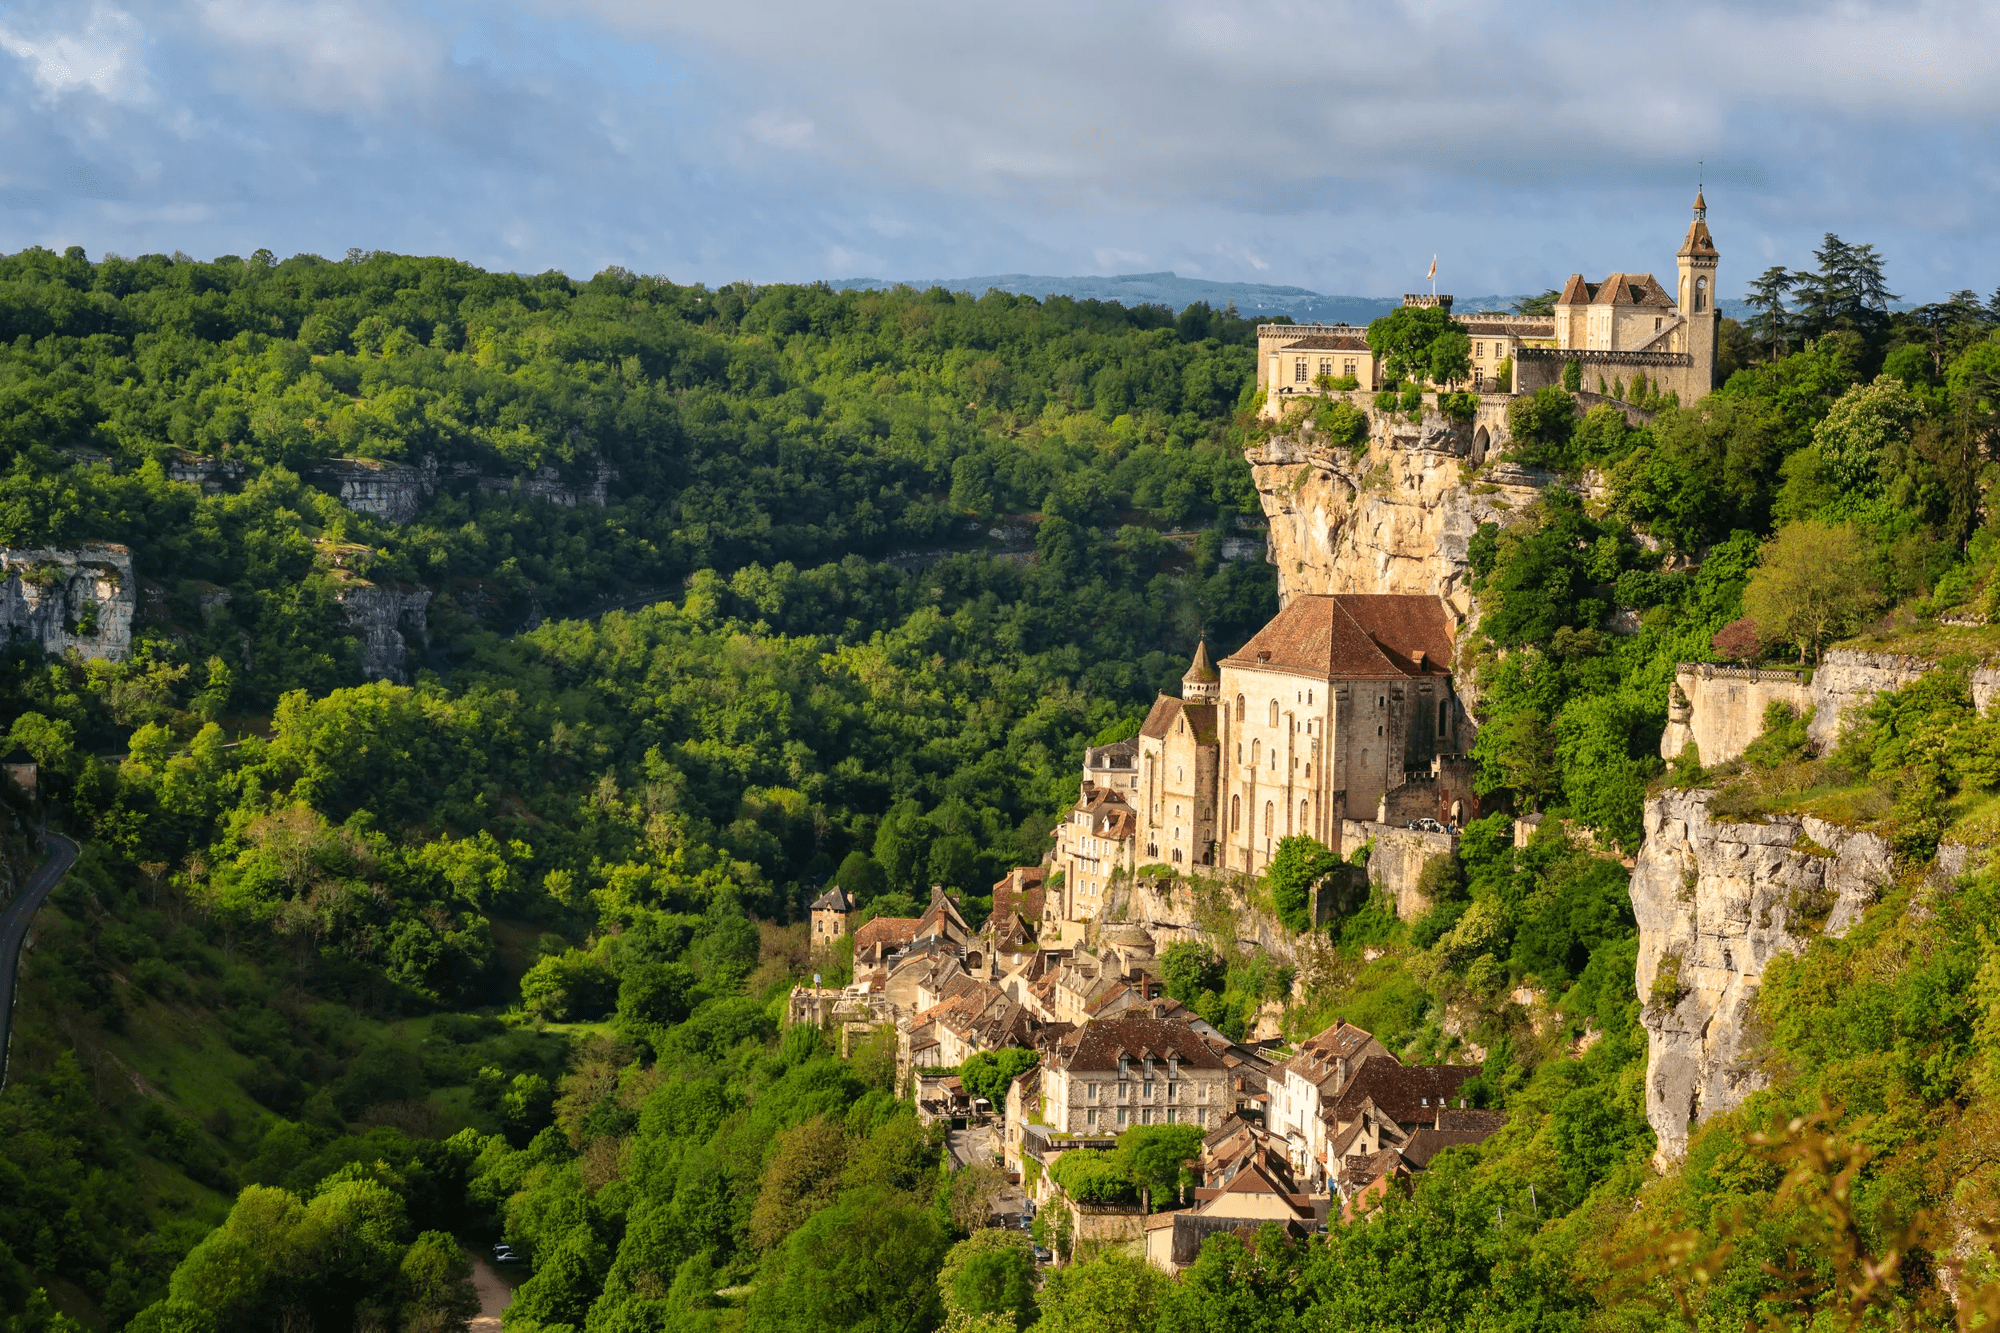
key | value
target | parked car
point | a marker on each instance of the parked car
(504, 1254)
(1042, 1256)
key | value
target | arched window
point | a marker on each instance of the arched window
(1270, 817)
(1256, 751)
(1274, 712)
(1304, 821)
(1239, 708)
(1309, 698)
(1235, 813)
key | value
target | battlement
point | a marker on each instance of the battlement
(1424, 300)
(1596, 356)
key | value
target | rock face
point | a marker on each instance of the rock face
(385, 620)
(80, 598)
(1721, 708)
(391, 491)
(1716, 901)
(1398, 518)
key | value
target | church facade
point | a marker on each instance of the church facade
(1338, 706)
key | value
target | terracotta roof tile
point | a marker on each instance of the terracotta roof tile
(1160, 721)
(887, 930)
(1352, 634)
(1098, 1044)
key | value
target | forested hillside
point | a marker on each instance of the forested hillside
(351, 969)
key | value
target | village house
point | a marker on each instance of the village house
(829, 916)
(1112, 1073)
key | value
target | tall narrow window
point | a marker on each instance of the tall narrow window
(1235, 813)
(1304, 822)
(1256, 751)
(1239, 708)
(1274, 712)
(1299, 370)
(1270, 817)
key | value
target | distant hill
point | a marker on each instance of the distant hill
(1253, 300)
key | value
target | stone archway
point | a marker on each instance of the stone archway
(1480, 441)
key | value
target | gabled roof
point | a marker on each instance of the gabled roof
(1428, 1143)
(1637, 289)
(1329, 636)
(1020, 892)
(888, 931)
(1407, 1094)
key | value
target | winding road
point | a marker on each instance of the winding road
(14, 922)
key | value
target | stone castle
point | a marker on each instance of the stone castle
(1616, 330)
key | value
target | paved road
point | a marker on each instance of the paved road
(14, 921)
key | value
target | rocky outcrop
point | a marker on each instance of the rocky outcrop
(1721, 708)
(1715, 902)
(1397, 517)
(391, 491)
(79, 597)
(547, 484)
(385, 620)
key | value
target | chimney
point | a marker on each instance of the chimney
(1421, 665)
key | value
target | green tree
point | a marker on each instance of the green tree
(1157, 1156)
(438, 1295)
(1190, 967)
(1405, 337)
(1115, 1290)
(1812, 585)
(989, 1074)
(1299, 866)
(988, 1279)
(860, 876)
(867, 1264)
(801, 1176)
(1542, 424)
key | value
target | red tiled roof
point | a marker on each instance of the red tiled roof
(1617, 289)
(1352, 634)
(887, 930)
(1407, 1094)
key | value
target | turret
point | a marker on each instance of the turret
(1203, 683)
(1697, 262)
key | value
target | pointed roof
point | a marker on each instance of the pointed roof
(1699, 244)
(835, 899)
(1200, 669)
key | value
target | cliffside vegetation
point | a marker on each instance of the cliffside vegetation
(348, 970)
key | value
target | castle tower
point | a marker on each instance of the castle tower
(1697, 261)
(1203, 683)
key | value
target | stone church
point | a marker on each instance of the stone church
(1342, 707)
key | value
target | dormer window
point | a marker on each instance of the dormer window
(1149, 1067)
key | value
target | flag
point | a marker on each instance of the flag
(1434, 268)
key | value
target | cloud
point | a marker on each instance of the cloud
(1333, 146)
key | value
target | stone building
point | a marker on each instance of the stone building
(829, 916)
(1095, 843)
(1115, 1072)
(1177, 770)
(1626, 325)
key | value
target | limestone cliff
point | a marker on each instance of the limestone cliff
(79, 597)
(1716, 901)
(385, 619)
(1399, 517)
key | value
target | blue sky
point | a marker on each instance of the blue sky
(1330, 145)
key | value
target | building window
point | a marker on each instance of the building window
(1270, 815)
(1299, 370)
(1235, 813)
(1478, 376)
(1090, 1117)
(1309, 698)
(1274, 712)
(1347, 367)
(1256, 751)
(1326, 366)
(1148, 1115)
(1239, 708)
(1090, 1091)
(1303, 824)
(1441, 717)
(1121, 1115)
(1701, 293)
(1479, 350)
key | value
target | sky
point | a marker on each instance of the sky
(1330, 145)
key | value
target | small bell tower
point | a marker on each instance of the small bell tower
(1203, 683)
(1697, 262)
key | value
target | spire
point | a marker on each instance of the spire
(1700, 207)
(1202, 682)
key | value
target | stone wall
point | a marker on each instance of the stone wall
(1721, 709)
(1724, 708)
(1397, 859)
(78, 597)
(1715, 902)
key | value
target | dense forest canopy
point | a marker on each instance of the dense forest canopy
(353, 971)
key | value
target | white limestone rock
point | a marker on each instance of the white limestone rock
(78, 597)
(1715, 902)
